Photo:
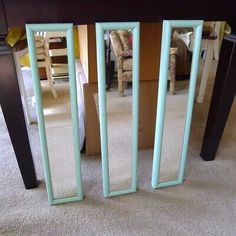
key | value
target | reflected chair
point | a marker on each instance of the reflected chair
(121, 41)
(44, 61)
(56, 56)
(124, 55)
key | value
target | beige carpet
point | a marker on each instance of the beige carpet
(204, 205)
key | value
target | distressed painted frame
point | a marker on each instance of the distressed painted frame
(100, 28)
(30, 30)
(161, 104)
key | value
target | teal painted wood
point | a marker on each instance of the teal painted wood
(100, 28)
(161, 103)
(30, 30)
(163, 75)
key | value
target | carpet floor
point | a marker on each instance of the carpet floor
(205, 204)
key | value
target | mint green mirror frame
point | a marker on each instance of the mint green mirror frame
(100, 27)
(68, 28)
(161, 103)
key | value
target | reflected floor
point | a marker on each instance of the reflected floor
(119, 125)
(173, 132)
(58, 126)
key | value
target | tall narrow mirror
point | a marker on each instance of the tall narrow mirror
(118, 58)
(181, 42)
(119, 106)
(176, 101)
(57, 113)
(54, 75)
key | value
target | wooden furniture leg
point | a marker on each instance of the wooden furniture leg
(222, 98)
(172, 70)
(13, 113)
(121, 87)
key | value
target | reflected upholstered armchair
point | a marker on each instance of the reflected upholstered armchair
(121, 41)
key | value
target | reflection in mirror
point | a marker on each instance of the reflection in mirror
(52, 58)
(119, 58)
(176, 102)
(180, 50)
(118, 104)
(53, 71)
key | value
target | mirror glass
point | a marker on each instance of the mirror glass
(51, 49)
(118, 56)
(176, 102)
